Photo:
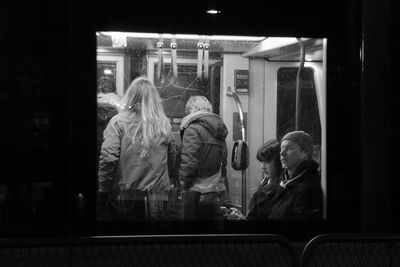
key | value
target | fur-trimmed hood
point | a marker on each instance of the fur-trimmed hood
(211, 121)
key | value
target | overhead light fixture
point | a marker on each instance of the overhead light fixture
(213, 11)
(183, 36)
(270, 44)
(118, 39)
(236, 38)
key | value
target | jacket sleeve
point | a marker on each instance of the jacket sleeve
(109, 156)
(224, 161)
(190, 156)
(171, 161)
(223, 167)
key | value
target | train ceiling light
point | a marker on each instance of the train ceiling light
(213, 11)
(141, 35)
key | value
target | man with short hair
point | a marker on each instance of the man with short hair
(299, 196)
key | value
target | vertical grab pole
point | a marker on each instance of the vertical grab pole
(243, 130)
(298, 77)
(244, 193)
(241, 116)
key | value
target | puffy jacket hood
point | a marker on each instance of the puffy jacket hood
(210, 121)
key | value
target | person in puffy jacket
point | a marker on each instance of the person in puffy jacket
(134, 154)
(299, 194)
(203, 156)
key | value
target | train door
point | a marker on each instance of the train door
(272, 101)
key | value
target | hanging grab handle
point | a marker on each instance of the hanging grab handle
(160, 65)
(174, 62)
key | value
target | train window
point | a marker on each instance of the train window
(250, 83)
(106, 77)
(308, 116)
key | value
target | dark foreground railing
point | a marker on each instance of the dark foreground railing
(352, 250)
(201, 250)
(177, 250)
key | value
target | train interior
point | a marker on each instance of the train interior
(252, 82)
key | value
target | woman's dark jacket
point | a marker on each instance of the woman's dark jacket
(261, 201)
(300, 199)
(203, 150)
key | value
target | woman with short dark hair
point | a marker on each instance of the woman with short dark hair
(261, 201)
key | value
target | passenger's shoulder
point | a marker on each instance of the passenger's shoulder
(197, 124)
(310, 185)
(125, 117)
(116, 117)
(194, 129)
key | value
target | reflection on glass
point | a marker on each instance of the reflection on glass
(106, 79)
(309, 120)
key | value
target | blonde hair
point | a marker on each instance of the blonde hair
(196, 103)
(154, 127)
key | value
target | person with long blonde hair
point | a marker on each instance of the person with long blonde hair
(134, 154)
(143, 100)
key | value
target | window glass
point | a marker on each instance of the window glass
(308, 116)
(233, 74)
